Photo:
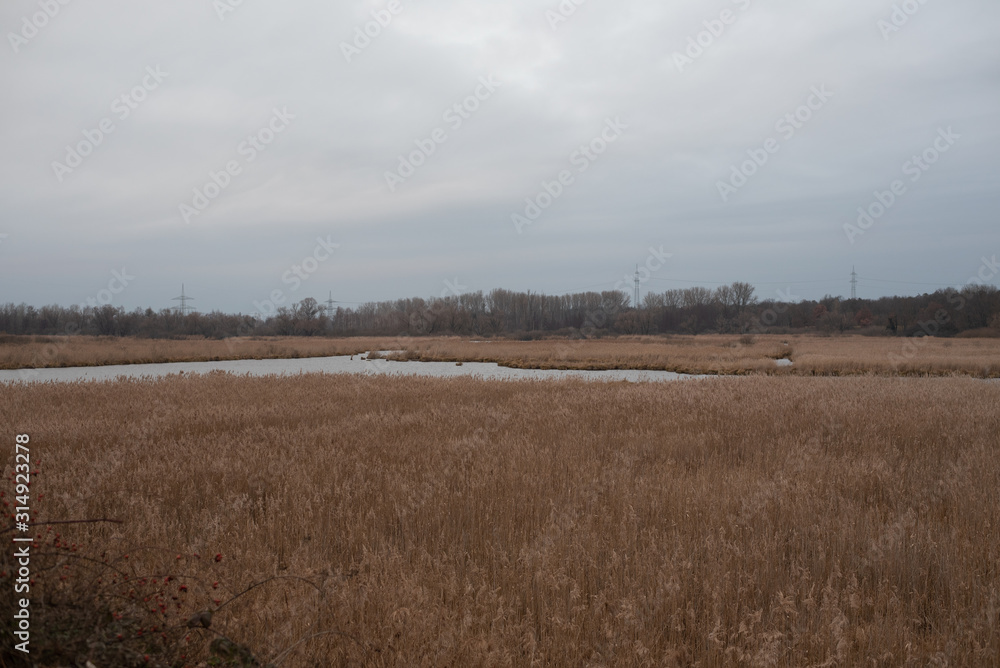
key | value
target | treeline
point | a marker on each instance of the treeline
(728, 309)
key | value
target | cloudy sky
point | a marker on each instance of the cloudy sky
(518, 144)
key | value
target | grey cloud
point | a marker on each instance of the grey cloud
(326, 173)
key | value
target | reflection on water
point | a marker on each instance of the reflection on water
(344, 364)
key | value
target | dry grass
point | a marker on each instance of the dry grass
(706, 354)
(746, 521)
(682, 354)
(28, 352)
(853, 355)
(712, 354)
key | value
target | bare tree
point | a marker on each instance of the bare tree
(743, 296)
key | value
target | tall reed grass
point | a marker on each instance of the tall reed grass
(726, 522)
(703, 354)
(20, 352)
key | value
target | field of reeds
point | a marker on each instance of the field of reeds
(703, 354)
(754, 521)
(36, 352)
(727, 355)
(681, 354)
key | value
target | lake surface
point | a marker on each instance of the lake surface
(331, 365)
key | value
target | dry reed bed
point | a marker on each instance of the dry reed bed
(695, 355)
(750, 521)
(856, 355)
(20, 352)
(704, 354)
(729, 355)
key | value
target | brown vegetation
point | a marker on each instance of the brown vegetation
(682, 354)
(910, 356)
(36, 352)
(703, 354)
(717, 354)
(745, 521)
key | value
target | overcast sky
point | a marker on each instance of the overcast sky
(670, 99)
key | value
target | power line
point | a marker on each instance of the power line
(683, 280)
(856, 280)
(880, 280)
(589, 287)
(857, 276)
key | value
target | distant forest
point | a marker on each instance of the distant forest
(732, 309)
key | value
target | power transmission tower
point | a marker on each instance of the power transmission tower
(635, 301)
(854, 284)
(183, 309)
(329, 306)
